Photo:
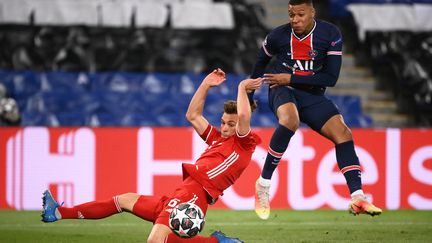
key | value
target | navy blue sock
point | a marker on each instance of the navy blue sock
(349, 165)
(278, 144)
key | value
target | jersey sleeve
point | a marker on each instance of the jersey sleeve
(265, 54)
(210, 134)
(269, 45)
(335, 45)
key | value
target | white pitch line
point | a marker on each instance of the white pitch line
(319, 223)
(261, 224)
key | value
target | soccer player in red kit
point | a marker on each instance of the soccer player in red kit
(228, 154)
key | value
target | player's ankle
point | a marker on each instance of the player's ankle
(357, 194)
(264, 182)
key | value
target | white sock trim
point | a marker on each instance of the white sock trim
(264, 182)
(117, 204)
(356, 193)
(57, 214)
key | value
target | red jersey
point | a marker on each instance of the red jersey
(223, 161)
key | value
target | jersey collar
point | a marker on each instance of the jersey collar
(306, 36)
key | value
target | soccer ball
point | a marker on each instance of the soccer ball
(186, 220)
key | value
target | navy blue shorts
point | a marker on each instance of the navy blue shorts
(314, 109)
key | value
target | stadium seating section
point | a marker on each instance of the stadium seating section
(131, 69)
(402, 63)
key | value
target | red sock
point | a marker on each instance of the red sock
(172, 238)
(92, 210)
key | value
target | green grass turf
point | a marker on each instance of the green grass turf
(283, 226)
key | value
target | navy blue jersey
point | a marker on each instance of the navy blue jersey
(314, 59)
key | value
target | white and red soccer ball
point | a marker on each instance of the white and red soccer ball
(186, 220)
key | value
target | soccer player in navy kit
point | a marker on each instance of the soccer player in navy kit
(308, 56)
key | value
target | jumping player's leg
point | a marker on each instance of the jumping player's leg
(322, 115)
(338, 132)
(283, 104)
(288, 119)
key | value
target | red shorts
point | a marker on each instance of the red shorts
(157, 209)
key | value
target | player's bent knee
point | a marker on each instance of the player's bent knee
(336, 130)
(159, 234)
(152, 239)
(290, 123)
(343, 135)
(128, 200)
(346, 134)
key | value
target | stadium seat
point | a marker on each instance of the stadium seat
(24, 84)
(347, 104)
(103, 119)
(67, 119)
(139, 119)
(38, 119)
(264, 120)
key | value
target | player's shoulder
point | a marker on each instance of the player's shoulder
(250, 137)
(281, 29)
(327, 27)
(278, 35)
(257, 139)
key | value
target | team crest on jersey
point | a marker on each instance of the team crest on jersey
(313, 53)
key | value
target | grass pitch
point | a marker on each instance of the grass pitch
(283, 226)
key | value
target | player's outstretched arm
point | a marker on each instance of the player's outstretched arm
(243, 107)
(194, 113)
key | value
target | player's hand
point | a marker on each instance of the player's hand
(215, 78)
(277, 79)
(251, 84)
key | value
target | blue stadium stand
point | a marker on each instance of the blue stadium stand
(135, 99)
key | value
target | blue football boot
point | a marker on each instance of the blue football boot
(222, 238)
(49, 207)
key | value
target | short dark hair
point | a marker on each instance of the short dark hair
(298, 2)
(230, 106)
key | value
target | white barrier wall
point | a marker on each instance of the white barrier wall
(119, 13)
(391, 17)
(83, 164)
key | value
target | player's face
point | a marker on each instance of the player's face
(301, 18)
(228, 124)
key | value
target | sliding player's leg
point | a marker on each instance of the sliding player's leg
(53, 211)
